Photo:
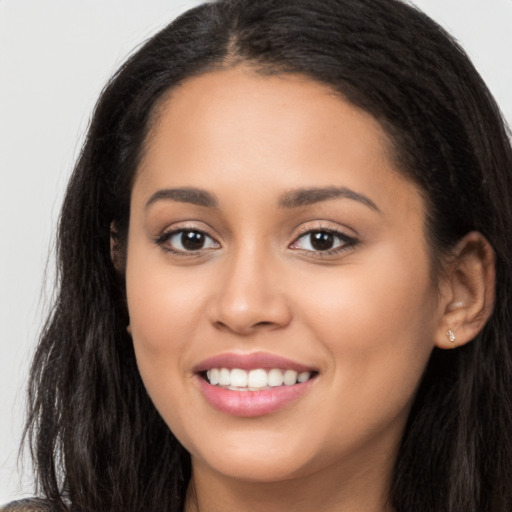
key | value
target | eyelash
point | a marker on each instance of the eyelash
(164, 238)
(346, 242)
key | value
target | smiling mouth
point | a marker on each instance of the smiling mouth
(258, 379)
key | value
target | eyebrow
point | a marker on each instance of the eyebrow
(308, 196)
(292, 199)
(190, 195)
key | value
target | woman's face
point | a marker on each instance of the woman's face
(271, 238)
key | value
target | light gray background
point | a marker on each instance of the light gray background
(55, 56)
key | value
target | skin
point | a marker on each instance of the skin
(367, 317)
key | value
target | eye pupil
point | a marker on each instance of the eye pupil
(322, 240)
(192, 240)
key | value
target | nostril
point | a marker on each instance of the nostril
(221, 326)
(263, 324)
(243, 328)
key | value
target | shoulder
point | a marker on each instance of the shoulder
(28, 505)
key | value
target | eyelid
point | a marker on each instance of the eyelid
(164, 237)
(348, 241)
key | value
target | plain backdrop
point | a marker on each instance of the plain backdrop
(55, 57)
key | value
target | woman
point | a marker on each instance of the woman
(285, 217)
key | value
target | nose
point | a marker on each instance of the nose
(250, 297)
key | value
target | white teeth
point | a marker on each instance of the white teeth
(290, 377)
(224, 377)
(234, 388)
(275, 378)
(239, 378)
(303, 376)
(257, 379)
(214, 376)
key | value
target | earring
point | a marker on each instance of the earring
(451, 335)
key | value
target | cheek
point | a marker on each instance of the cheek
(164, 311)
(376, 322)
(162, 302)
(164, 315)
(379, 298)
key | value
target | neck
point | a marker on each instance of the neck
(365, 489)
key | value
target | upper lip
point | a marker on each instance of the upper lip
(251, 361)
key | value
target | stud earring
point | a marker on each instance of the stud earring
(451, 335)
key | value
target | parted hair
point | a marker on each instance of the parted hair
(97, 441)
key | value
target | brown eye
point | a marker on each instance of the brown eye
(323, 241)
(188, 240)
(192, 240)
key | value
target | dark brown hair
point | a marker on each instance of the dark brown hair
(97, 440)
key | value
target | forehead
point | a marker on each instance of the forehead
(238, 104)
(233, 128)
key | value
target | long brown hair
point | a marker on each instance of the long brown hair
(97, 441)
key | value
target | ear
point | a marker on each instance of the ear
(467, 291)
(118, 258)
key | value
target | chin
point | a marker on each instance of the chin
(264, 455)
(259, 468)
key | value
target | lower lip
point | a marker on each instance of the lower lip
(252, 403)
